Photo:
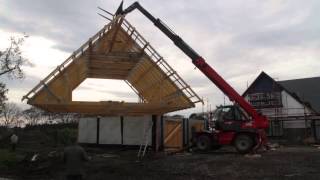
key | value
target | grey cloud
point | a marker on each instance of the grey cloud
(296, 36)
(118, 94)
(26, 83)
(245, 24)
(69, 23)
(238, 38)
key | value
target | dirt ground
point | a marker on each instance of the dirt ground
(290, 163)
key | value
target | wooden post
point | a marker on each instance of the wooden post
(98, 130)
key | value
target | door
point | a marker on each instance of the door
(173, 135)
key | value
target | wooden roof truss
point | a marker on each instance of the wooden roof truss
(117, 51)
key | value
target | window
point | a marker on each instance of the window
(265, 99)
(228, 113)
(275, 128)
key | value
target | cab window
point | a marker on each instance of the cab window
(228, 113)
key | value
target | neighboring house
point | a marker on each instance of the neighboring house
(292, 106)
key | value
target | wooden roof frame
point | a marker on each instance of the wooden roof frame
(117, 51)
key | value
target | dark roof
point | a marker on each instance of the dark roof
(307, 89)
(262, 83)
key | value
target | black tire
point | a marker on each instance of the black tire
(203, 143)
(216, 147)
(243, 143)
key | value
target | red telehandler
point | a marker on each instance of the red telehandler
(240, 124)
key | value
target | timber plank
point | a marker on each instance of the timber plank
(114, 55)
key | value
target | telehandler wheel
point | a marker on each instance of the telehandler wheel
(243, 143)
(203, 143)
(216, 147)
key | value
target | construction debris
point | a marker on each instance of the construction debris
(252, 156)
(34, 158)
(273, 146)
(108, 155)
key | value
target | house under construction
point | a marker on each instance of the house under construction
(117, 51)
(292, 106)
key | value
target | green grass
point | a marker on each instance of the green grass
(7, 158)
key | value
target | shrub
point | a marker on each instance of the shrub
(66, 136)
(7, 158)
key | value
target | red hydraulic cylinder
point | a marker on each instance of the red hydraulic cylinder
(259, 120)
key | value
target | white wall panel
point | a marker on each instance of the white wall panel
(292, 106)
(87, 130)
(133, 129)
(110, 130)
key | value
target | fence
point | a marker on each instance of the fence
(293, 123)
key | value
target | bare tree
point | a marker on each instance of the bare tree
(11, 62)
(11, 114)
(64, 117)
(3, 97)
(33, 115)
(60, 117)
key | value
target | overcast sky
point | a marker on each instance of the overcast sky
(238, 38)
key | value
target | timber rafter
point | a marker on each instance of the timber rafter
(117, 51)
